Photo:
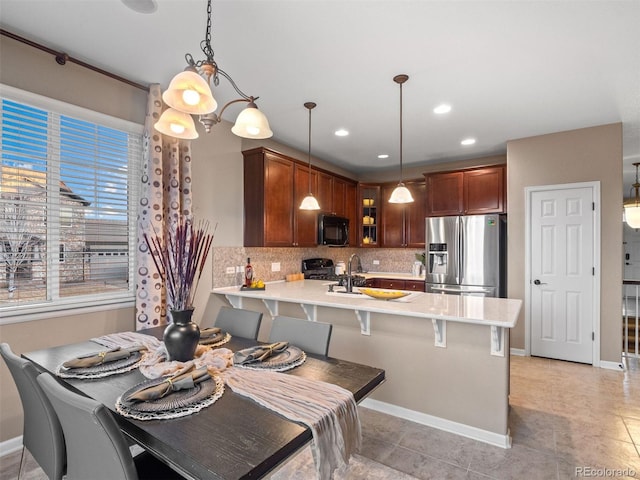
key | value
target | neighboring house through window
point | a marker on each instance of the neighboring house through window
(68, 197)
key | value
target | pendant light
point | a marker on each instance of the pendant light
(632, 205)
(190, 92)
(400, 194)
(309, 202)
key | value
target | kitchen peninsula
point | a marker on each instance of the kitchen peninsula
(446, 357)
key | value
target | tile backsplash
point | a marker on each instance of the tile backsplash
(396, 260)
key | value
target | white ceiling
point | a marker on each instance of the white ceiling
(510, 69)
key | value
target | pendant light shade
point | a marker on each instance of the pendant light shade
(176, 124)
(190, 93)
(632, 205)
(401, 193)
(309, 202)
(252, 123)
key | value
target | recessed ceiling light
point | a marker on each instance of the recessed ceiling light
(383, 155)
(141, 6)
(444, 108)
(342, 133)
(468, 141)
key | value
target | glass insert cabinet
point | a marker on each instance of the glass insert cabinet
(369, 208)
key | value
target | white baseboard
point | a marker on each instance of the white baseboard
(496, 439)
(618, 366)
(518, 352)
(9, 446)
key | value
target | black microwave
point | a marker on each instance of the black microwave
(333, 231)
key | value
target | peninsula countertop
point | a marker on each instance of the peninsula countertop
(495, 312)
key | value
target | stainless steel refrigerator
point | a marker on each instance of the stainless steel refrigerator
(466, 255)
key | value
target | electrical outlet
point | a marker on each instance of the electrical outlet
(275, 267)
(230, 270)
(239, 269)
(376, 262)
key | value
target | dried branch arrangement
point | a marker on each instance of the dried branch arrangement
(179, 258)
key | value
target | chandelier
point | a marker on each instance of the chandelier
(190, 93)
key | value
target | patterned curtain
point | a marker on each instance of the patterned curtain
(165, 196)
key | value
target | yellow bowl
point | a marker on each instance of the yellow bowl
(367, 220)
(367, 202)
(383, 294)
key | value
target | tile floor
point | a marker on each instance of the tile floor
(564, 417)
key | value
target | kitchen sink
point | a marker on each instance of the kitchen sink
(342, 292)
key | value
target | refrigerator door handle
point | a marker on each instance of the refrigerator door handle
(460, 248)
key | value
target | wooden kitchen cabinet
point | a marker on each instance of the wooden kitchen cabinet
(444, 194)
(337, 195)
(351, 211)
(396, 284)
(403, 225)
(414, 285)
(325, 192)
(484, 190)
(466, 192)
(274, 186)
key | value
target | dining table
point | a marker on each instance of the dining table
(235, 437)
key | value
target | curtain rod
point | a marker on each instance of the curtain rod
(62, 58)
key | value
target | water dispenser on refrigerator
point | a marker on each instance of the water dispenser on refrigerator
(437, 255)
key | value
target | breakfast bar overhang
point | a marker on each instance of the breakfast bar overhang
(446, 356)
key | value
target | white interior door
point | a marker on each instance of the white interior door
(562, 270)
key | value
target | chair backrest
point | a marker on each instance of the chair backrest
(312, 337)
(239, 322)
(42, 433)
(96, 448)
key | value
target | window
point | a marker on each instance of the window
(68, 197)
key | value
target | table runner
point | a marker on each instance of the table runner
(328, 410)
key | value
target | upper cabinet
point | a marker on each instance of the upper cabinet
(274, 186)
(466, 192)
(369, 215)
(403, 225)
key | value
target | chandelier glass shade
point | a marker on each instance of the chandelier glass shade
(190, 92)
(252, 123)
(176, 124)
(401, 193)
(632, 205)
(309, 202)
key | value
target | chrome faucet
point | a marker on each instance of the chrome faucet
(349, 275)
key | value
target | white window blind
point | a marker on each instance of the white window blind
(68, 194)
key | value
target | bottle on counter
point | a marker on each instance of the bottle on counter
(248, 273)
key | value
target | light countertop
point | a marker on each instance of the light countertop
(497, 312)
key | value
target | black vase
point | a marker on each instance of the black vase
(181, 336)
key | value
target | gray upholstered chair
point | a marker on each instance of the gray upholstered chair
(312, 337)
(239, 322)
(96, 448)
(42, 434)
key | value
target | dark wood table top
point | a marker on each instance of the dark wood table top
(232, 439)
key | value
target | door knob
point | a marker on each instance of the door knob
(538, 282)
